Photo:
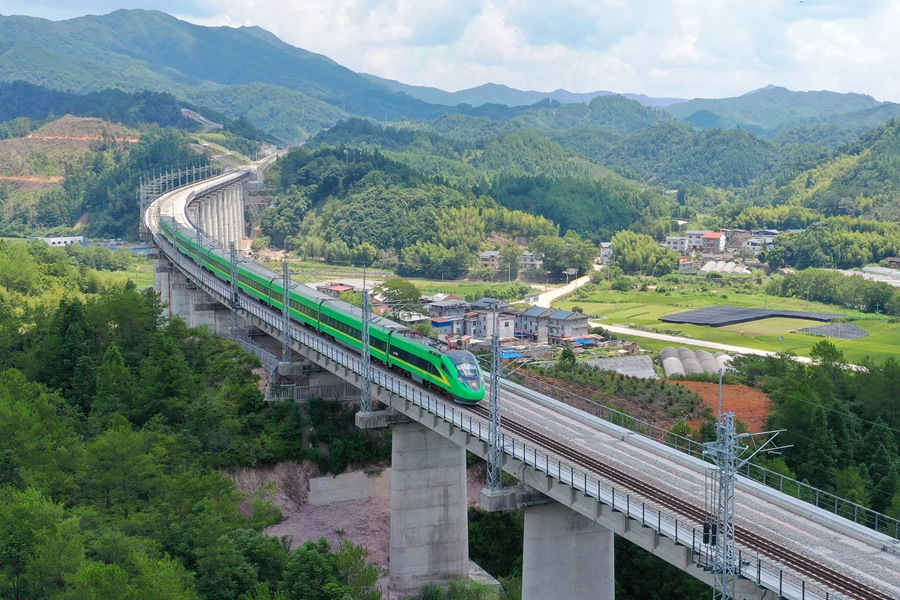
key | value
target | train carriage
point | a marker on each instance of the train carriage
(455, 372)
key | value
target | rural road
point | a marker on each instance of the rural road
(547, 298)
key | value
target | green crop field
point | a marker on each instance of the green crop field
(777, 334)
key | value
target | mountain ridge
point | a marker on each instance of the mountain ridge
(496, 93)
(136, 50)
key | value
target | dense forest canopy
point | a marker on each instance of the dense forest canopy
(115, 428)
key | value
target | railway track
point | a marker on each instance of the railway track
(793, 560)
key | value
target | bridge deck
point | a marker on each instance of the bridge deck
(823, 538)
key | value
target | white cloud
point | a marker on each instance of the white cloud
(684, 48)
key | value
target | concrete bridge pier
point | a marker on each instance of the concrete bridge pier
(429, 518)
(202, 310)
(566, 555)
(178, 295)
(162, 275)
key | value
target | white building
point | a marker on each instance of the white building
(677, 243)
(695, 238)
(527, 260)
(63, 240)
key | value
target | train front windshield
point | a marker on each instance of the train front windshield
(467, 367)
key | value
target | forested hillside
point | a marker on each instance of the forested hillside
(770, 110)
(333, 202)
(100, 183)
(115, 429)
(138, 49)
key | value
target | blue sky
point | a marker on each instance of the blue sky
(671, 48)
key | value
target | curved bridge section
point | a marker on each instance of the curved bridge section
(587, 479)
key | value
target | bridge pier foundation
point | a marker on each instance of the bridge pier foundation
(429, 518)
(566, 555)
(179, 296)
(162, 279)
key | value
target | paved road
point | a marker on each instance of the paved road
(547, 298)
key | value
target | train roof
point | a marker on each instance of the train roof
(318, 296)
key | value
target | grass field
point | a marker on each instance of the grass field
(645, 309)
(141, 273)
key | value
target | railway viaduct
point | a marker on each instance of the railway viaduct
(587, 478)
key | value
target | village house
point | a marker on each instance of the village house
(605, 252)
(712, 242)
(758, 243)
(483, 324)
(564, 324)
(527, 260)
(735, 238)
(444, 326)
(447, 308)
(334, 289)
(63, 240)
(533, 324)
(486, 303)
(695, 238)
(490, 258)
(677, 243)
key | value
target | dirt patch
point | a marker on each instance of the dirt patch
(262, 383)
(291, 479)
(748, 404)
(365, 522)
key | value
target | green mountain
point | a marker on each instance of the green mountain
(492, 93)
(281, 112)
(772, 109)
(613, 113)
(674, 154)
(862, 180)
(140, 49)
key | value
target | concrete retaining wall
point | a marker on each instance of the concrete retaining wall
(349, 486)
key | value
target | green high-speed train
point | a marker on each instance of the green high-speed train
(454, 372)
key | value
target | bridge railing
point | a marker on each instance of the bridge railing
(682, 531)
(832, 503)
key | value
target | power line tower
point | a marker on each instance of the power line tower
(365, 390)
(287, 282)
(234, 303)
(718, 530)
(495, 455)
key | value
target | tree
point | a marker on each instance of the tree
(364, 254)
(398, 292)
(310, 573)
(120, 468)
(114, 385)
(360, 576)
(567, 357)
(167, 381)
(641, 254)
(509, 260)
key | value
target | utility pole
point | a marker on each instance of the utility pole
(495, 455)
(286, 314)
(718, 531)
(235, 301)
(723, 454)
(365, 391)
